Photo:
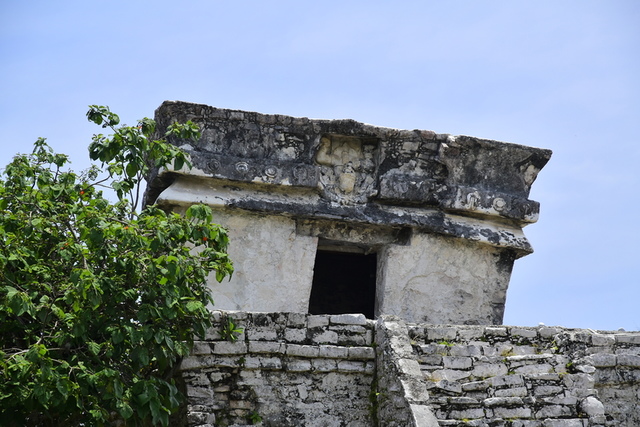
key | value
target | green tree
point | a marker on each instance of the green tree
(98, 302)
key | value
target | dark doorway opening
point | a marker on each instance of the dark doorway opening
(343, 282)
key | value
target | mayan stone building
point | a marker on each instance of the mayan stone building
(372, 266)
(336, 216)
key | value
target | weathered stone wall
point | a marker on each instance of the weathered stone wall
(291, 369)
(529, 377)
(344, 370)
(438, 279)
(268, 254)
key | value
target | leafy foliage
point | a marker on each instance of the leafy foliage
(97, 301)
(229, 330)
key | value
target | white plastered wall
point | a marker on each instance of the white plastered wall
(439, 279)
(273, 265)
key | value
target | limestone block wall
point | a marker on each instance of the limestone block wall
(294, 369)
(291, 369)
(529, 377)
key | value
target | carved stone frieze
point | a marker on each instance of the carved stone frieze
(362, 173)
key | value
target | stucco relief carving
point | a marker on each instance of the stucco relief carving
(346, 169)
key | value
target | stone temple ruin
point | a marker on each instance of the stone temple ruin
(335, 216)
(357, 249)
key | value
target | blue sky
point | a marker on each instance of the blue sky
(563, 75)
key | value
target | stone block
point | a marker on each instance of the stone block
(578, 381)
(365, 353)
(487, 370)
(493, 331)
(561, 399)
(295, 335)
(414, 390)
(298, 365)
(507, 402)
(524, 333)
(469, 413)
(592, 406)
(212, 334)
(548, 332)
(240, 404)
(554, 411)
(435, 349)
(511, 392)
(199, 395)
(196, 362)
(317, 321)
(524, 350)
(471, 333)
(409, 367)
(507, 381)
(351, 366)
(526, 423)
(491, 351)
(348, 319)
(349, 329)
(603, 340)
(457, 362)
(463, 401)
(528, 358)
(422, 416)
(441, 333)
(449, 386)
(628, 360)
(296, 320)
(465, 350)
(449, 374)
(333, 351)
(547, 390)
(201, 347)
(302, 350)
(227, 347)
(324, 365)
(475, 386)
(325, 337)
(601, 360)
(252, 362)
(352, 340)
(265, 347)
(271, 363)
(534, 369)
(261, 334)
(519, 412)
(430, 360)
(628, 338)
(587, 369)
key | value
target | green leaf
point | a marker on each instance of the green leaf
(132, 170)
(94, 348)
(193, 306)
(178, 163)
(125, 410)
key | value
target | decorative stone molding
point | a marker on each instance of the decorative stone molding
(362, 173)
